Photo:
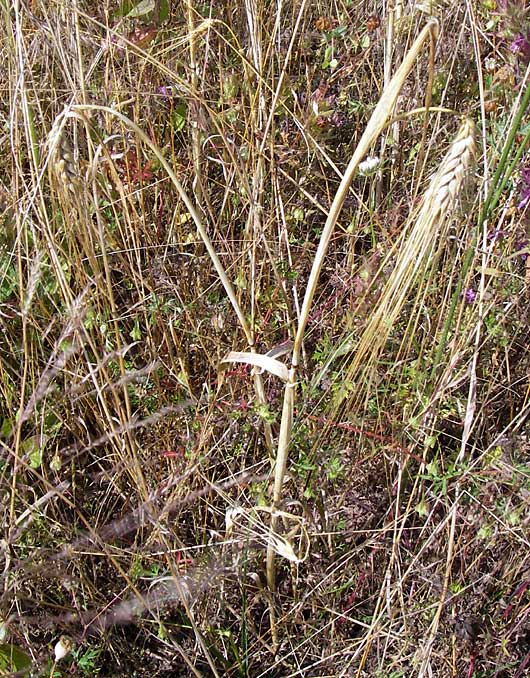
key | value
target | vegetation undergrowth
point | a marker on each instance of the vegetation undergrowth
(264, 356)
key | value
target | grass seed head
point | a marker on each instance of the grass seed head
(447, 183)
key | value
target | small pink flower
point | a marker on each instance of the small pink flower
(521, 47)
(166, 92)
(470, 295)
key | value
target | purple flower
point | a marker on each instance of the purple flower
(166, 92)
(524, 198)
(470, 295)
(521, 47)
(338, 119)
(497, 234)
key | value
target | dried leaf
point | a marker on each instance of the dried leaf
(265, 362)
(142, 8)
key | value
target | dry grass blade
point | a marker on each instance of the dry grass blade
(264, 362)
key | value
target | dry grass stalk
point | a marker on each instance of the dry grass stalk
(194, 88)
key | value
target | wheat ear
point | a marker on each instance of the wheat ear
(446, 185)
(413, 252)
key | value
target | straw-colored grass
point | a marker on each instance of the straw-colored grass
(263, 413)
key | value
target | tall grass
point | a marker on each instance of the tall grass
(262, 413)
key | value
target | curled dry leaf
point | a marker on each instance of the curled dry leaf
(264, 362)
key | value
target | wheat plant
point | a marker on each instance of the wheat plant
(263, 338)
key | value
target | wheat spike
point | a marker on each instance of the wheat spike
(416, 247)
(447, 183)
(430, 224)
(65, 164)
(62, 158)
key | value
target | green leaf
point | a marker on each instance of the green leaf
(422, 508)
(136, 332)
(164, 11)
(240, 281)
(327, 57)
(6, 427)
(142, 8)
(433, 469)
(430, 441)
(33, 447)
(365, 41)
(178, 117)
(56, 463)
(298, 214)
(13, 660)
(8, 278)
(484, 532)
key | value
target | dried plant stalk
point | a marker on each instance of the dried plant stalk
(375, 125)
